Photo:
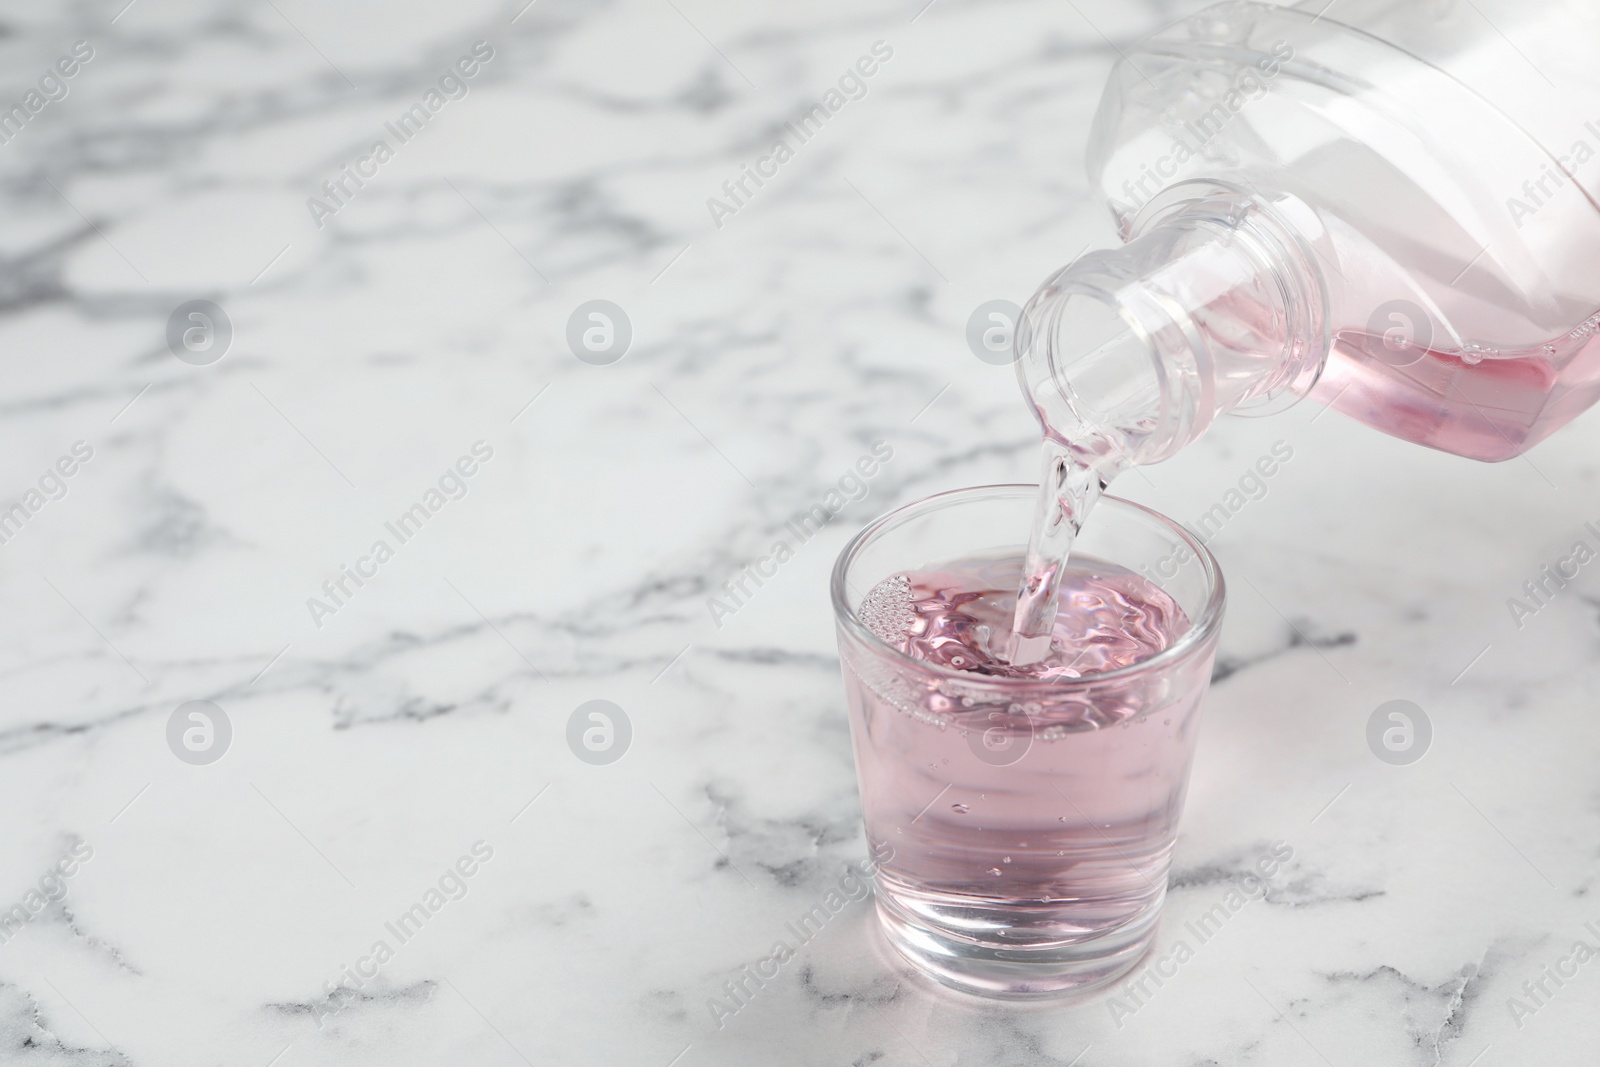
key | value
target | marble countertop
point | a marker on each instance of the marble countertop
(388, 746)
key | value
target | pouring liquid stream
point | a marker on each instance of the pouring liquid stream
(1070, 483)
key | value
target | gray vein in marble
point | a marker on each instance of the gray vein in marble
(1449, 1002)
(354, 1000)
(789, 850)
(1301, 635)
(98, 944)
(26, 1037)
(778, 657)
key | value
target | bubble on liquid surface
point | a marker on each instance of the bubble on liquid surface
(886, 610)
(960, 809)
(959, 614)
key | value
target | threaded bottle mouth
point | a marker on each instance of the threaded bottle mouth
(1213, 308)
(1093, 364)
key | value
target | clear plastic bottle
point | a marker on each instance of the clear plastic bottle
(1392, 204)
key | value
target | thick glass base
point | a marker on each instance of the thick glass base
(1015, 953)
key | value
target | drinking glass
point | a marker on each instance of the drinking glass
(1029, 825)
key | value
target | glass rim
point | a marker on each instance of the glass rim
(1200, 630)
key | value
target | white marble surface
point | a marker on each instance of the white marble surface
(371, 753)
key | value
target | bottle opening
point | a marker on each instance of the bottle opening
(1213, 309)
(1088, 365)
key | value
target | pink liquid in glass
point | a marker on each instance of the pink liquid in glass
(1031, 825)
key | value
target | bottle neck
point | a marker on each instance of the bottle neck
(1214, 305)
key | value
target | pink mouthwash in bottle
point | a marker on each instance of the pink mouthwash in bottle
(1389, 206)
